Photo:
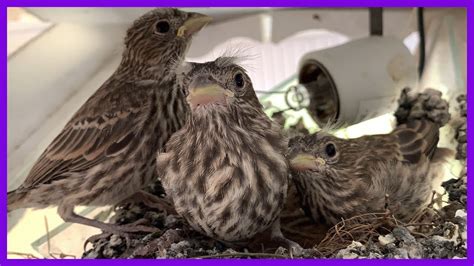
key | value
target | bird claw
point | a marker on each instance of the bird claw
(105, 235)
(124, 231)
(95, 238)
(293, 248)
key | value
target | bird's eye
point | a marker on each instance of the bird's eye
(239, 80)
(330, 150)
(162, 27)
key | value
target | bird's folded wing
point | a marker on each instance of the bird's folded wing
(417, 138)
(86, 142)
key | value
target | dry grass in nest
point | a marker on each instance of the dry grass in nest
(368, 227)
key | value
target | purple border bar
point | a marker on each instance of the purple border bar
(263, 262)
(240, 3)
(217, 3)
(272, 262)
(470, 149)
(3, 132)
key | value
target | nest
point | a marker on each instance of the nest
(366, 228)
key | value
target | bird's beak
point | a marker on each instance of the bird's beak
(204, 91)
(305, 161)
(193, 24)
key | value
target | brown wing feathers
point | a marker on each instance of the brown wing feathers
(82, 145)
(416, 139)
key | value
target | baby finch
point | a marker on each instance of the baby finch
(107, 151)
(225, 169)
(340, 178)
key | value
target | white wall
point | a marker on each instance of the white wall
(52, 68)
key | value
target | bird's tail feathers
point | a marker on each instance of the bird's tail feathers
(15, 200)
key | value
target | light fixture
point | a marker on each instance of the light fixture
(356, 81)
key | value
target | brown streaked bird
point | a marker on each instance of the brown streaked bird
(225, 169)
(107, 151)
(340, 178)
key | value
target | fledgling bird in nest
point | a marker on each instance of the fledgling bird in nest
(341, 178)
(107, 151)
(225, 169)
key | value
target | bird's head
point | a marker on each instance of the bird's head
(330, 174)
(321, 156)
(162, 35)
(220, 85)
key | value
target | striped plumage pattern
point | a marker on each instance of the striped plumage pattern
(106, 152)
(225, 169)
(103, 160)
(402, 165)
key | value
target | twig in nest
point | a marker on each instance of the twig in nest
(420, 224)
(319, 252)
(242, 254)
(52, 254)
(424, 217)
(358, 228)
(24, 255)
(432, 202)
(47, 234)
(364, 227)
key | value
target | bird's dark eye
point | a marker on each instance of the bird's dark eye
(239, 80)
(330, 150)
(162, 27)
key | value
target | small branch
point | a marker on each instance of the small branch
(25, 255)
(54, 254)
(419, 224)
(47, 234)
